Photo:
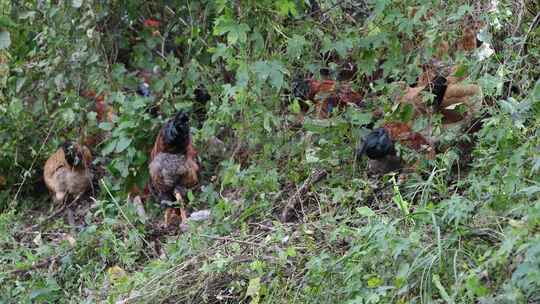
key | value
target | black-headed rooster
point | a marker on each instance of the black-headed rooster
(173, 166)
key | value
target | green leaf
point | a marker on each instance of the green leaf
(294, 107)
(253, 290)
(286, 7)
(530, 190)
(365, 211)
(441, 289)
(6, 22)
(536, 92)
(407, 112)
(235, 32)
(109, 148)
(402, 204)
(190, 196)
(106, 126)
(295, 46)
(272, 70)
(123, 143)
(242, 75)
(5, 40)
(221, 51)
(475, 286)
(76, 3)
(291, 251)
(40, 292)
(15, 106)
(19, 84)
(374, 282)
(358, 118)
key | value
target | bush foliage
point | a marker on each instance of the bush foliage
(439, 236)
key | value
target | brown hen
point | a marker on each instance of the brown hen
(327, 94)
(67, 171)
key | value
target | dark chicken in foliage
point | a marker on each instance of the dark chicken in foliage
(378, 145)
(173, 166)
(67, 172)
(327, 95)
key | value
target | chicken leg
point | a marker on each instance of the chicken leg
(180, 200)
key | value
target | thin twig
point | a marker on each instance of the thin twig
(34, 162)
(315, 177)
(531, 27)
(57, 212)
(41, 264)
(126, 218)
(226, 239)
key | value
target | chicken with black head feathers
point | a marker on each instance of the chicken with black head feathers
(173, 167)
(67, 172)
(378, 146)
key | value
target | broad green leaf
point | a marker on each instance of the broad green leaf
(5, 40)
(76, 3)
(6, 22)
(109, 148)
(272, 70)
(462, 70)
(123, 143)
(235, 32)
(242, 75)
(359, 118)
(342, 47)
(258, 42)
(122, 167)
(295, 46)
(68, 116)
(286, 7)
(221, 51)
(365, 211)
(15, 106)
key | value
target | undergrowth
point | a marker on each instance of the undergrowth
(450, 232)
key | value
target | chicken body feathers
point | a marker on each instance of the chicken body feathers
(67, 171)
(170, 173)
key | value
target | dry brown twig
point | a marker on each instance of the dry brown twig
(298, 197)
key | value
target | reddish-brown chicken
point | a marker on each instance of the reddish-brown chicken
(448, 92)
(67, 171)
(327, 94)
(173, 166)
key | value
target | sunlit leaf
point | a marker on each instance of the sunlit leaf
(5, 40)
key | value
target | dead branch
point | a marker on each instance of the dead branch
(298, 197)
